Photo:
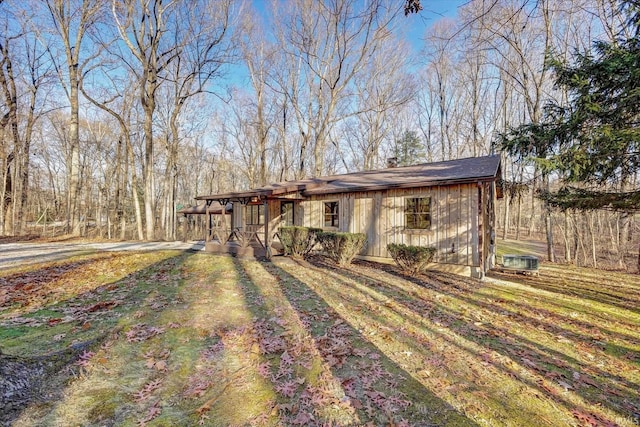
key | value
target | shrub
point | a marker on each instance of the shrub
(411, 259)
(342, 247)
(298, 241)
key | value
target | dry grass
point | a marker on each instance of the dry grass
(197, 338)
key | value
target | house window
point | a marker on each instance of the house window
(254, 215)
(417, 213)
(331, 214)
(286, 213)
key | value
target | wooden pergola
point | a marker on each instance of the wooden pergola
(215, 212)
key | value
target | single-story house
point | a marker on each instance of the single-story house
(449, 205)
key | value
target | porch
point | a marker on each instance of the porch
(242, 242)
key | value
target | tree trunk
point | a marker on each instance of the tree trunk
(10, 119)
(532, 215)
(6, 194)
(624, 242)
(592, 233)
(134, 188)
(74, 140)
(26, 156)
(148, 102)
(548, 225)
(567, 236)
(507, 203)
(576, 238)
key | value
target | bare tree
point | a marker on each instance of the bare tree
(383, 88)
(325, 45)
(257, 55)
(71, 19)
(440, 84)
(24, 70)
(9, 129)
(521, 38)
(200, 61)
(156, 34)
(119, 104)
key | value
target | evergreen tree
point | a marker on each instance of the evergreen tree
(409, 149)
(594, 142)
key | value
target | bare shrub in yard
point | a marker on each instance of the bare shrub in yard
(342, 247)
(298, 241)
(411, 259)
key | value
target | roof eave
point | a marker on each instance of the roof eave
(403, 185)
(237, 196)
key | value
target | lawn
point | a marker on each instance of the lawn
(186, 338)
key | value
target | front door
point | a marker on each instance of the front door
(286, 213)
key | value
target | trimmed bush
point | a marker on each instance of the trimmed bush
(298, 241)
(342, 247)
(411, 259)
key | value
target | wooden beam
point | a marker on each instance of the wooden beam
(267, 234)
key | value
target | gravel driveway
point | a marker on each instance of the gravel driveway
(14, 254)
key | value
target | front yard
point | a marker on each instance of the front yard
(186, 338)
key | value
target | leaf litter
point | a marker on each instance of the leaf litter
(209, 340)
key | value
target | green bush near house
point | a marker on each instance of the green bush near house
(411, 259)
(298, 241)
(342, 247)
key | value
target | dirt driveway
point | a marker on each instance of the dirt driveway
(14, 254)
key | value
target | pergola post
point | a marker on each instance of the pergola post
(207, 237)
(267, 234)
(223, 222)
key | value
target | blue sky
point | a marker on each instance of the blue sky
(433, 11)
(415, 25)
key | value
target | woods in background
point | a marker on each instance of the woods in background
(113, 114)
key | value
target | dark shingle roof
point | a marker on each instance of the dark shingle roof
(422, 175)
(426, 174)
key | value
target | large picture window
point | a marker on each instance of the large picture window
(417, 213)
(254, 215)
(331, 214)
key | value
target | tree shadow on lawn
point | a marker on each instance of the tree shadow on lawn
(538, 359)
(597, 290)
(90, 317)
(373, 387)
(18, 288)
(554, 323)
(558, 312)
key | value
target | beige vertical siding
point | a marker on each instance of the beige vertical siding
(380, 215)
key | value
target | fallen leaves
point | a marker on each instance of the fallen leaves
(142, 332)
(147, 390)
(287, 388)
(151, 413)
(157, 361)
(85, 358)
(592, 420)
(57, 281)
(338, 347)
(335, 346)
